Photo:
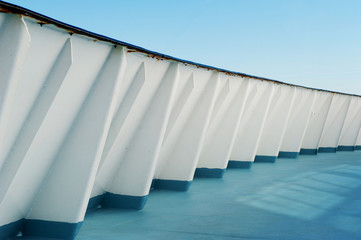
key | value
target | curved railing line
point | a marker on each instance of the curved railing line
(42, 20)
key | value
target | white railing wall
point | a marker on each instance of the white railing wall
(316, 123)
(276, 122)
(334, 123)
(351, 127)
(222, 132)
(88, 122)
(297, 124)
(252, 124)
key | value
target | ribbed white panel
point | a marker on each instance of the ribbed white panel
(317, 120)
(276, 120)
(298, 120)
(82, 116)
(352, 124)
(335, 121)
(252, 121)
(181, 149)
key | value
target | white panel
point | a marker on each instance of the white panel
(135, 173)
(55, 127)
(79, 155)
(352, 124)
(40, 64)
(128, 122)
(222, 131)
(317, 120)
(124, 108)
(182, 98)
(180, 152)
(298, 121)
(14, 44)
(252, 121)
(335, 121)
(36, 114)
(276, 121)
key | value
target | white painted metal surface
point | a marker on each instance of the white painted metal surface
(334, 122)
(252, 121)
(352, 124)
(298, 121)
(181, 147)
(83, 117)
(225, 121)
(317, 121)
(276, 121)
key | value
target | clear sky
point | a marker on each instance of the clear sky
(315, 43)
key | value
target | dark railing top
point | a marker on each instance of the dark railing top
(42, 19)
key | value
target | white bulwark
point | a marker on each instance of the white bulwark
(87, 122)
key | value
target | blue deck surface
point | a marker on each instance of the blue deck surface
(312, 197)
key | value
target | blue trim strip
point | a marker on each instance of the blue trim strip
(327, 150)
(209, 173)
(346, 148)
(283, 154)
(267, 159)
(307, 151)
(95, 202)
(239, 164)
(357, 147)
(12, 229)
(51, 229)
(112, 200)
(175, 185)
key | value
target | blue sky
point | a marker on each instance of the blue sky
(315, 43)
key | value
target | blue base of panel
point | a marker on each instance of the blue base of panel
(12, 229)
(327, 150)
(267, 159)
(95, 202)
(346, 148)
(307, 151)
(239, 164)
(112, 200)
(50, 229)
(175, 185)
(357, 147)
(209, 173)
(283, 154)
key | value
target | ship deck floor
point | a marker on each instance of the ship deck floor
(312, 197)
